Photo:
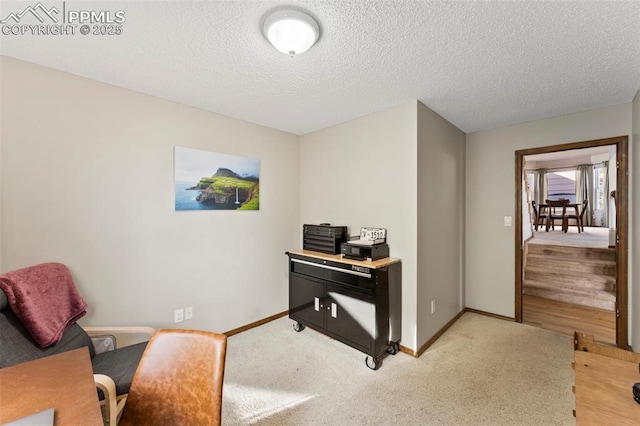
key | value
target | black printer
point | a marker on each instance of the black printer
(371, 245)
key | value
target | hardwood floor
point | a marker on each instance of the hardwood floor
(567, 318)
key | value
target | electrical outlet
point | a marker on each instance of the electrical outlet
(178, 315)
(433, 306)
(188, 313)
(507, 221)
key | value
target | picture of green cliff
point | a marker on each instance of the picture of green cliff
(235, 185)
(227, 188)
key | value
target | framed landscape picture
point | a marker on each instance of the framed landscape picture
(205, 180)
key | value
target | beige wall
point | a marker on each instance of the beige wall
(364, 173)
(440, 255)
(87, 180)
(490, 171)
(402, 169)
(635, 223)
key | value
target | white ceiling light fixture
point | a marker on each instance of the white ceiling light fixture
(290, 31)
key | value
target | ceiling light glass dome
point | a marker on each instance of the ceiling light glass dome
(291, 32)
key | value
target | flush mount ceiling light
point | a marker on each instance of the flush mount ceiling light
(290, 31)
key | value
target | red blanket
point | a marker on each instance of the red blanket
(45, 299)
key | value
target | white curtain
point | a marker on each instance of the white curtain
(605, 198)
(540, 186)
(584, 190)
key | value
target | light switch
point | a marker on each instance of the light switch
(507, 221)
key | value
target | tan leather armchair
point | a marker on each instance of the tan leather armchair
(179, 380)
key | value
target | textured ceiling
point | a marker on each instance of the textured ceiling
(479, 64)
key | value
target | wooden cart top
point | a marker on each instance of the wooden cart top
(375, 264)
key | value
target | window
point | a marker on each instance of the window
(561, 184)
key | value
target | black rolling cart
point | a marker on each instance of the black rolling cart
(356, 302)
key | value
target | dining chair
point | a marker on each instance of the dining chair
(579, 218)
(557, 210)
(179, 380)
(539, 214)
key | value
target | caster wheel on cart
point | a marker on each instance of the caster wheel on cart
(393, 349)
(298, 327)
(372, 363)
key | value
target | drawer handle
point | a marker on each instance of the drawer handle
(333, 268)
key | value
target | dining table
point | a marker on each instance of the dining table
(545, 207)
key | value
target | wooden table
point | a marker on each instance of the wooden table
(604, 380)
(63, 382)
(604, 390)
(541, 208)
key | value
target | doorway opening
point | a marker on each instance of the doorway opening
(564, 187)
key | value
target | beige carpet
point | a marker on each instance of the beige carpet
(591, 237)
(482, 371)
